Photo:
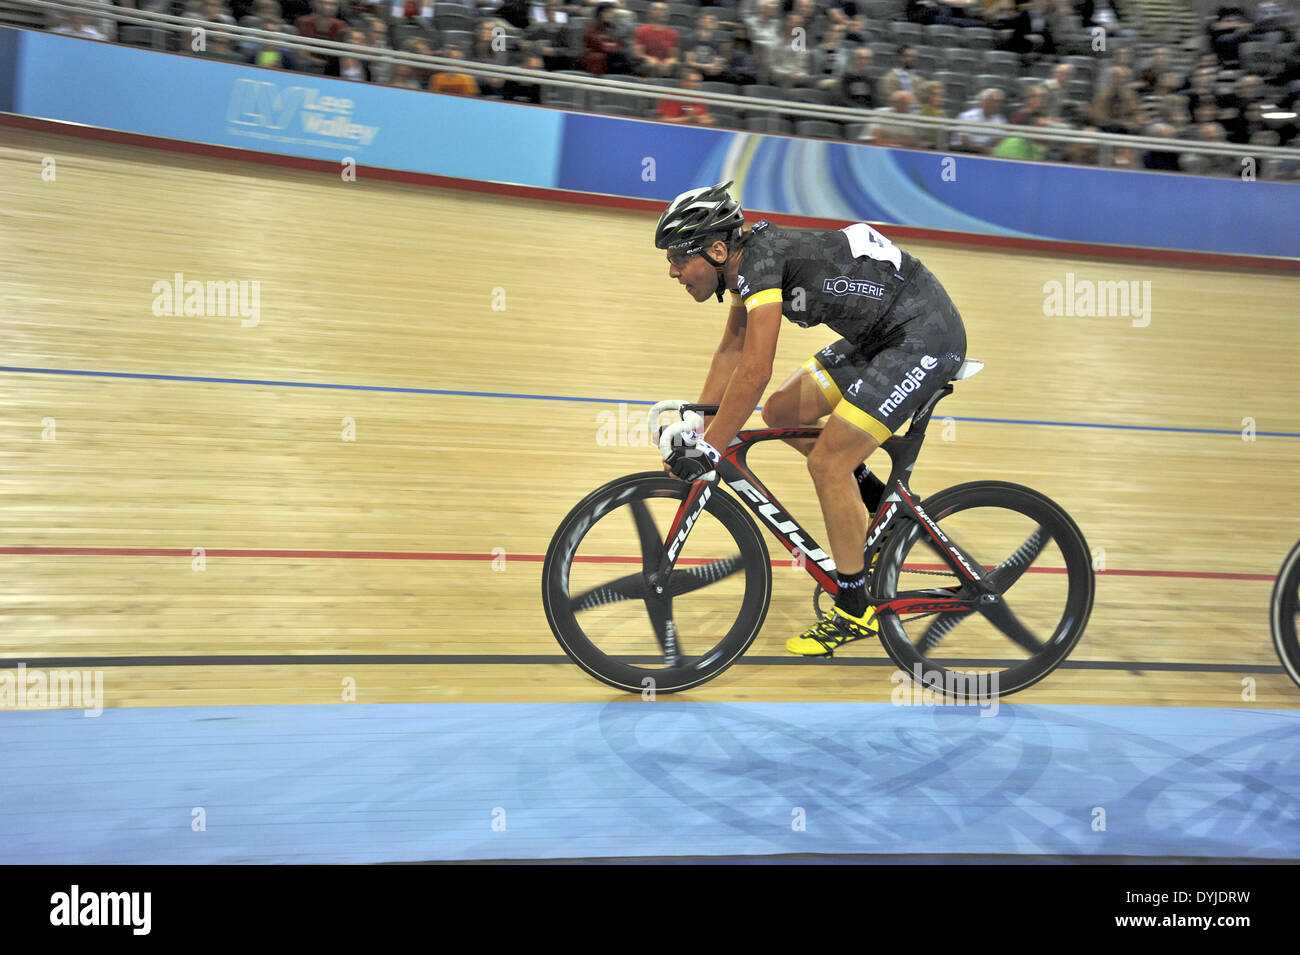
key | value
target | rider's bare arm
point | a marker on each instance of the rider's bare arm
(750, 375)
(725, 358)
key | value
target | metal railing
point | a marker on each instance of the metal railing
(922, 126)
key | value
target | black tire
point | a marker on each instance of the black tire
(1060, 598)
(637, 672)
(1284, 608)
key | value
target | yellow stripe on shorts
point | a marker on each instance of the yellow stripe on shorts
(824, 381)
(860, 419)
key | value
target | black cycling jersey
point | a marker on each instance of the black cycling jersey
(848, 279)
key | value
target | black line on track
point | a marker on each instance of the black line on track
(425, 659)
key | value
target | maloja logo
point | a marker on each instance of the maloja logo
(688, 523)
(908, 385)
(789, 528)
(843, 285)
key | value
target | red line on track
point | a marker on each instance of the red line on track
(536, 558)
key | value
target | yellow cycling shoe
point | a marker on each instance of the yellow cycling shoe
(833, 630)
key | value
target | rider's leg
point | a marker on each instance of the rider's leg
(803, 400)
(799, 403)
(841, 448)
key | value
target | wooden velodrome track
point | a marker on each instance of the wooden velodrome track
(378, 284)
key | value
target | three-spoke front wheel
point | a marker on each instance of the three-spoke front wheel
(640, 634)
(1040, 571)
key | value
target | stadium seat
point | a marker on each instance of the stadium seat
(912, 34)
(768, 124)
(818, 128)
(759, 91)
(980, 38)
(818, 97)
(940, 34)
(1001, 62)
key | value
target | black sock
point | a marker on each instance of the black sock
(852, 596)
(870, 487)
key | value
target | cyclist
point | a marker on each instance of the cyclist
(902, 340)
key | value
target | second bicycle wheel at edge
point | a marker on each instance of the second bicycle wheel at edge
(1029, 544)
(602, 610)
(1284, 608)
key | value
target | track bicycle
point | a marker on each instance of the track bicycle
(697, 596)
(1285, 608)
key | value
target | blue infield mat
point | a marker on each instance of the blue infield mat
(407, 782)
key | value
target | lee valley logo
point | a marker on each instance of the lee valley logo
(296, 114)
(102, 908)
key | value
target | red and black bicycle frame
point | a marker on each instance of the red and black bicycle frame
(897, 504)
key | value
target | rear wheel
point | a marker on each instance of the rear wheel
(1037, 562)
(614, 624)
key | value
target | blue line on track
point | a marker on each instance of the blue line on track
(603, 401)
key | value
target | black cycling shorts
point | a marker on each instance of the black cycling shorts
(878, 386)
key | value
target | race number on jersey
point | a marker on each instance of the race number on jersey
(864, 240)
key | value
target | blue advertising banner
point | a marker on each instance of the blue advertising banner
(224, 104)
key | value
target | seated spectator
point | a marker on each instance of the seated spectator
(78, 24)
(1162, 160)
(456, 84)
(765, 34)
(989, 110)
(1018, 147)
(1056, 90)
(489, 46)
(1034, 111)
(514, 12)
(1205, 164)
(686, 112)
(377, 36)
(543, 11)
(901, 77)
(1115, 108)
(791, 59)
(522, 91)
(998, 14)
(1031, 34)
(322, 24)
(1227, 32)
(656, 45)
(848, 15)
(932, 105)
(1101, 13)
(421, 76)
(214, 11)
(1067, 30)
(830, 59)
(882, 132)
(270, 54)
(549, 36)
(604, 51)
(706, 49)
(812, 19)
(1274, 18)
(957, 13)
(856, 84)
(1152, 70)
(742, 64)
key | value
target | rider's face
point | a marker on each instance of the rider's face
(695, 273)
